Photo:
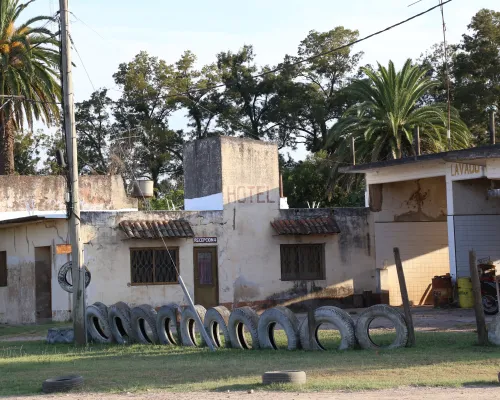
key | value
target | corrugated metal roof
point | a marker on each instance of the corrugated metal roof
(306, 226)
(156, 229)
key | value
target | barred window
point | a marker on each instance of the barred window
(154, 266)
(302, 262)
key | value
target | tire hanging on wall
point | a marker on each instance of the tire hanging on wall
(240, 318)
(382, 311)
(140, 316)
(188, 324)
(288, 321)
(164, 317)
(97, 323)
(216, 320)
(329, 315)
(62, 277)
(119, 319)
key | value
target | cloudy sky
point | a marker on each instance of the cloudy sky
(109, 32)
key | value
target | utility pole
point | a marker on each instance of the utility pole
(77, 271)
(492, 126)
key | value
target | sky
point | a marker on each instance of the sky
(109, 32)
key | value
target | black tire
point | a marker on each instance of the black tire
(490, 305)
(188, 324)
(119, 320)
(494, 330)
(216, 320)
(294, 377)
(329, 315)
(384, 311)
(62, 277)
(164, 317)
(141, 315)
(62, 384)
(97, 324)
(288, 321)
(243, 317)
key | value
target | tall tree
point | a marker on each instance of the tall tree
(382, 124)
(27, 152)
(29, 61)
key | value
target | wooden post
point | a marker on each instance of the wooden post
(482, 333)
(311, 322)
(492, 127)
(404, 296)
(353, 149)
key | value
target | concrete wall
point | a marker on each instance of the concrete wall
(415, 200)
(470, 197)
(47, 193)
(17, 300)
(424, 251)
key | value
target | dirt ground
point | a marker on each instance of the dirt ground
(396, 394)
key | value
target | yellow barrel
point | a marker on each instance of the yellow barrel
(465, 295)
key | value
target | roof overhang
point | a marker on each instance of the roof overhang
(306, 226)
(156, 229)
(4, 223)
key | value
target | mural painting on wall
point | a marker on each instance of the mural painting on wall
(250, 194)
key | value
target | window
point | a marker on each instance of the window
(154, 266)
(3, 268)
(302, 262)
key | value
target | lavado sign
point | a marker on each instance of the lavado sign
(465, 169)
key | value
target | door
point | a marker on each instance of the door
(206, 278)
(43, 284)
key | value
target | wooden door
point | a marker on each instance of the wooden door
(206, 277)
(43, 284)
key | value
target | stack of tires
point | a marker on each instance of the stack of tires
(172, 325)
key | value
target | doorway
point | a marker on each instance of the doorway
(206, 277)
(43, 284)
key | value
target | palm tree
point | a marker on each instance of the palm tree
(382, 123)
(29, 88)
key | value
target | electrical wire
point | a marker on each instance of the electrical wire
(447, 71)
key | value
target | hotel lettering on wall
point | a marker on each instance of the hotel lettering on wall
(249, 194)
(465, 171)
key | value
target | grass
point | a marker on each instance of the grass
(29, 330)
(439, 359)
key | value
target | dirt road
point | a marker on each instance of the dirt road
(485, 393)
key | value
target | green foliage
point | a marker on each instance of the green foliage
(27, 151)
(29, 62)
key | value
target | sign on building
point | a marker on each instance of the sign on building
(205, 240)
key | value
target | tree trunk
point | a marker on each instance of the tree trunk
(6, 146)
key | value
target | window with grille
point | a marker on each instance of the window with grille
(302, 262)
(154, 266)
(3, 268)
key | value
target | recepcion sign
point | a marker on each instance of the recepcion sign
(205, 240)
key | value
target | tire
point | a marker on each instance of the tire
(188, 325)
(164, 316)
(289, 322)
(217, 318)
(119, 320)
(62, 384)
(494, 330)
(294, 377)
(97, 324)
(141, 315)
(62, 277)
(240, 317)
(384, 311)
(490, 305)
(329, 315)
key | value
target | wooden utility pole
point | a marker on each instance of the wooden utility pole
(77, 271)
(492, 127)
(482, 333)
(404, 296)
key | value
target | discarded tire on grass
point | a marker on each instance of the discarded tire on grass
(329, 315)
(240, 318)
(141, 317)
(62, 384)
(119, 319)
(294, 377)
(165, 316)
(97, 323)
(288, 321)
(382, 311)
(188, 324)
(494, 331)
(62, 277)
(215, 321)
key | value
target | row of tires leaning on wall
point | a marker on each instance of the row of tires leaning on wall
(143, 324)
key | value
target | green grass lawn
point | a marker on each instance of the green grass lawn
(30, 330)
(440, 359)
